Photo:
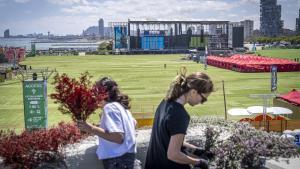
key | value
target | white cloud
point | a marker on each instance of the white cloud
(159, 9)
(233, 15)
(21, 1)
(55, 24)
(81, 9)
(28, 11)
(77, 15)
(68, 2)
(81, 14)
(282, 1)
(250, 1)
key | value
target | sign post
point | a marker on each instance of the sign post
(205, 58)
(35, 104)
(225, 108)
(253, 47)
(35, 101)
(273, 78)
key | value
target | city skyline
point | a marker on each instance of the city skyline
(62, 17)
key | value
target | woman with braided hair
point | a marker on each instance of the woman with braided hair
(116, 132)
(167, 148)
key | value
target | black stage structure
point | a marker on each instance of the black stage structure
(137, 37)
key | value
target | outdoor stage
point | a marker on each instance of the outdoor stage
(142, 37)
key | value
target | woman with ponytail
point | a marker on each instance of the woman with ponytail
(116, 132)
(167, 148)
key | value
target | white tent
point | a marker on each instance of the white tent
(280, 110)
(238, 112)
(258, 109)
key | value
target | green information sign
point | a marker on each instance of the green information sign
(33, 48)
(35, 104)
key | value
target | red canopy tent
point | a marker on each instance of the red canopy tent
(279, 117)
(253, 63)
(292, 97)
(260, 117)
(246, 119)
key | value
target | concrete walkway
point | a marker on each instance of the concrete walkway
(282, 163)
(86, 156)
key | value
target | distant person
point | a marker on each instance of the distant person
(117, 139)
(34, 76)
(167, 148)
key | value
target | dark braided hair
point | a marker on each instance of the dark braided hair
(114, 94)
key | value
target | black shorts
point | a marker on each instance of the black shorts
(126, 161)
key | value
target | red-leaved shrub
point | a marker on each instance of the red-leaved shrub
(32, 148)
(77, 97)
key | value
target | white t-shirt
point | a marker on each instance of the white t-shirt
(115, 118)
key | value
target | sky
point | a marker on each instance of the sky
(62, 17)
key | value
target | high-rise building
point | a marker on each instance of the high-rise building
(298, 24)
(235, 35)
(108, 32)
(101, 27)
(212, 29)
(238, 37)
(270, 18)
(248, 28)
(6, 33)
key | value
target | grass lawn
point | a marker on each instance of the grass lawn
(145, 80)
(281, 53)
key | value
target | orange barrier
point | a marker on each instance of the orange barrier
(276, 125)
(143, 119)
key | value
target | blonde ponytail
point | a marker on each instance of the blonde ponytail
(182, 84)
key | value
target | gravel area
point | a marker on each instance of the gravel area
(81, 155)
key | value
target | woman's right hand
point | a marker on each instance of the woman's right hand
(202, 164)
(85, 126)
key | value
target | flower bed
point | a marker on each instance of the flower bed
(33, 149)
(82, 154)
(244, 147)
(236, 145)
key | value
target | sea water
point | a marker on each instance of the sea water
(26, 43)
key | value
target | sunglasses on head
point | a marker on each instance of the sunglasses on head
(204, 99)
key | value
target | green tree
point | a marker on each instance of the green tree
(105, 47)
